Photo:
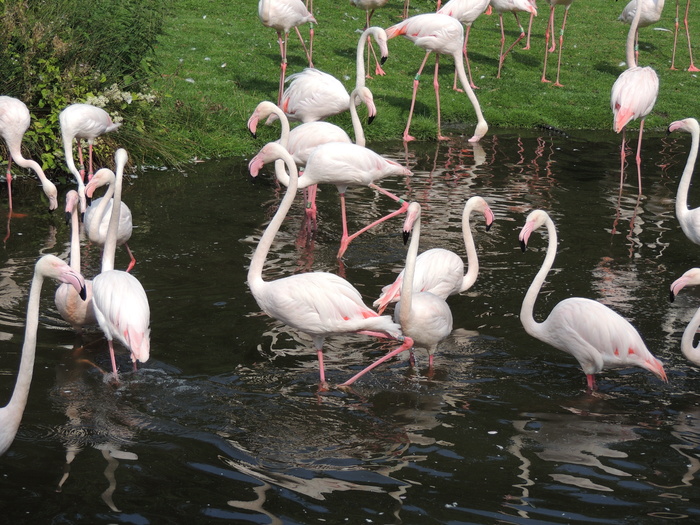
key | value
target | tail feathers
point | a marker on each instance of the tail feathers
(139, 343)
(622, 118)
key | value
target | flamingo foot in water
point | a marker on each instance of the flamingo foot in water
(408, 138)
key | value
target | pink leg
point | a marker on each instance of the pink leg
(690, 50)
(561, 45)
(622, 159)
(436, 86)
(80, 158)
(8, 177)
(405, 345)
(322, 372)
(283, 64)
(503, 57)
(466, 58)
(675, 39)
(590, 379)
(639, 156)
(303, 44)
(90, 172)
(114, 361)
(416, 81)
(547, 33)
(132, 263)
(529, 30)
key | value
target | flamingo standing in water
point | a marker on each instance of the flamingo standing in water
(440, 271)
(511, 6)
(466, 11)
(688, 219)
(120, 302)
(86, 122)
(633, 97)
(342, 165)
(11, 414)
(440, 34)
(98, 214)
(594, 334)
(687, 32)
(282, 15)
(318, 304)
(75, 310)
(549, 32)
(14, 122)
(690, 351)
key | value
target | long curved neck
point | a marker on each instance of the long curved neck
(462, 74)
(360, 60)
(110, 248)
(356, 123)
(684, 184)
(526, 311)
(11, 414)
(409, 271)
(631, 60)
(692, 353)
(284, 136)
(75, 239)
(100, 209)
(258, 260)
(70, 162)
(472, 258)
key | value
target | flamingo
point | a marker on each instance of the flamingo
(75, 310)
(11, 414)
(688, 219)
(14, 122)
(511, 6)
(690, 351)
(369, 6)
(282, 15)
(594, 334)
(343, 165)
(98, 214)
(423, 316)
(83, 121)
(318, 304)
(466, 11)
(550, 32)
(314, 95)
(440, 271)
(651, 13)
(120, 302)
(633, 97)
(687, 32)
(440, 34)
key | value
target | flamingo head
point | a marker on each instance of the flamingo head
(52, 266)
(263, 110)
(689, 278)
(536, 219)
(101, 177)
(72, 199)
(412, 215)
(689, 124)
(51, 192)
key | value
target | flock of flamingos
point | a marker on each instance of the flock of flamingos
(322, 304)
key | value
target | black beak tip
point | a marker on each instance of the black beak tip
(672, 296)
(254, 134)
(370, 119)
(406, 235)
(523, 246)
(83, 293)
(382, 60)
(488, 226)
(67, 218)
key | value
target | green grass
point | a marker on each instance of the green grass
(218, 61)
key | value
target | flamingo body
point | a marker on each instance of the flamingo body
(633, 95)
(689, 219)
(595, 335)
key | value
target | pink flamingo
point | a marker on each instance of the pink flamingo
(651, 13)
(690, 351)
(14, 122)
(440, 271)
(314, 95)
(75, 310)
(466, 11)
(440, 34)
(687, 218)
(511, 6)
(87, 122)
(687, 32)
(318, 304)
(594, 334)
(282, 15)
(98, 214)
(11, 414)
(342, 165)
(633, 97)
(120, 302)
(369, 6)
(550, 33)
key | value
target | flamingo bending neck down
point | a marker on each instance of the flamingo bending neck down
(318, 304)
(120, 302)
(594, 334)
(11, 414)
(688, 219)
(440, 271)
(633, 97)
(423, 316)
(439, 34)
(14, 122)
(342, 165)
(75, 310)
(690, 351)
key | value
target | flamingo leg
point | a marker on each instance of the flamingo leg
(322, 372)
(466, 58)
(80, 158)
(529, 30)
(503, 39)
(90, 172)
(436, 86)
(308, 50)
(114, 360)
(638, 158)
(561, 45)
(132, 263)
(405, 345)
(687, 33)
(8, 177)
(675, 39)
(283, 64)
(416, 81)
(590, 379)
(548, 32)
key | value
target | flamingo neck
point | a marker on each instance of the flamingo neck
(75, 239)
(481, 125)
(110, 248)
(409, 271)
(356, 123)
(631, 60)
(684, 184)
(691, 352)
(100, 210)
(531, 326)
(284, 139)
(257, 262)
(360, 61)
(472, 258)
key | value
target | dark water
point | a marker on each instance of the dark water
(225, 421)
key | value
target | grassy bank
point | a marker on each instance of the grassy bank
(218, 61)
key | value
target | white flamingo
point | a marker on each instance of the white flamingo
(690, 351)
(688, 219)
